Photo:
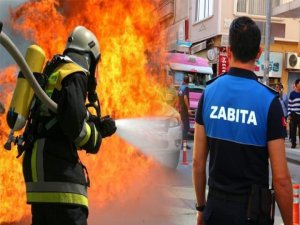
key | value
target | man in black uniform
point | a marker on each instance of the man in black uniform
(184, 107)
(56, 180)
(239, 123)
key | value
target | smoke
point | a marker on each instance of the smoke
(5, 7)
(145, 202)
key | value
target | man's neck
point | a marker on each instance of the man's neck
(245, 66)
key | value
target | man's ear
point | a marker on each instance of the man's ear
(229, 53)
(228, 49)
(259, 52)
(230, 58)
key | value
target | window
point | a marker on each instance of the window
(204, 9)
(254, 7)
(200, 79)
(241, 6)
(178, 77)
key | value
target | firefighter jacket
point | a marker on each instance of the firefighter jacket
(52, 170)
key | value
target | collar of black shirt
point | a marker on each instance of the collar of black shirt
(242, 73)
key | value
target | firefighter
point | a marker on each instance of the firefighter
(56, 180)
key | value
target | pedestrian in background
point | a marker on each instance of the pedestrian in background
(294, 112)
(240, 135)
(284, 101)
(184, 107)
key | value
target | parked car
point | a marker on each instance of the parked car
(158, 136)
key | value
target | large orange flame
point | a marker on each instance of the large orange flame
(11, 183)
(131, 48)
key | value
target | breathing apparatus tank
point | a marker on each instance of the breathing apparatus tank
(21, 101)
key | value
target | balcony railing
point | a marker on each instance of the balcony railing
(280, 2)
(254, 7)
(257, 7)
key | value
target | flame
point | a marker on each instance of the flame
(128, 86)
(12, 187)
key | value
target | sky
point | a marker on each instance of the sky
(19, 41)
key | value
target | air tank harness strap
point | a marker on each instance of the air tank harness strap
(45, 125)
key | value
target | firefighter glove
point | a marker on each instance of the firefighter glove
(106, 126)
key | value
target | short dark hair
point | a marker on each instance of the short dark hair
(244, 39)
(297, 81)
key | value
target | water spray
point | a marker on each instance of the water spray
(138, 132)
(150, 136)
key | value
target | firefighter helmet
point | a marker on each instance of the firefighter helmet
(83, 40)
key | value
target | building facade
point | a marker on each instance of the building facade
(201, 27)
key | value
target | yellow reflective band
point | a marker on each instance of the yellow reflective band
(87, 136)
(49, 92)
(96, 136)
(51, 83)
(33, 163)
(50, 197)
(53, 79)
(65, 70)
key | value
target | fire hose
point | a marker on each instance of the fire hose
(7, 43)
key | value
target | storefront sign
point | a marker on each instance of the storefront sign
(184, 43)
(198, 47)
(275, 65)
(223, 60)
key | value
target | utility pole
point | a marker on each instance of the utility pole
(267, 42)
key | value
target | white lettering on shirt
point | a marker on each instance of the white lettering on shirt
(252, 118)
(244, 113)
(222, 114)
(233, 115)
(214, 110)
